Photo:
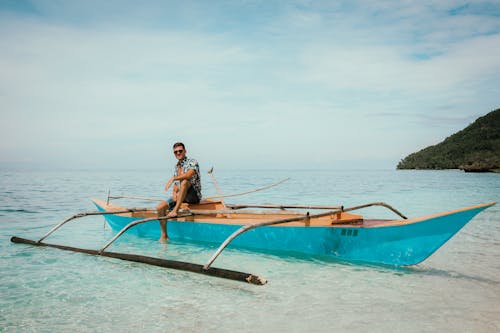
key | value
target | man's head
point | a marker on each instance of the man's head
(179, 150)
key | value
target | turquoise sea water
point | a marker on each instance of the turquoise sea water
(49, 290)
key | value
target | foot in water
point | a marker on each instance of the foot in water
(164, 239)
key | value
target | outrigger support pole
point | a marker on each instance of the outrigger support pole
(128, 226)
(293, 219)
(282, 207)
(383, 204)
(79, 215)
(172, 264)
(263, 224)
(134, 223)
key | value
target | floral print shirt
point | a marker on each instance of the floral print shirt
(190, 164)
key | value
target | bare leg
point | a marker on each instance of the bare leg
(162, 211)
(181, 195)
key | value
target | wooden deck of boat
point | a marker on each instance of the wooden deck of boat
(243, 216)
(203, 214)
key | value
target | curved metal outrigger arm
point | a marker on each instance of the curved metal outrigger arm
(133, 224)
(383, 204)
(79, 215)
(262, 224)
(128, 226)
(293, 219)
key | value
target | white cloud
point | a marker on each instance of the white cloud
(79, 82)
(386, 69)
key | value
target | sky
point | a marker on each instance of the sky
(244, 84)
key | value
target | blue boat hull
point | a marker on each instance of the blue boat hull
(400, 244)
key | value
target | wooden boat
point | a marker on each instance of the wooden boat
(335, 232)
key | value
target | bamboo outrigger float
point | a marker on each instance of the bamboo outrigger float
(179, 265)
(334, 231)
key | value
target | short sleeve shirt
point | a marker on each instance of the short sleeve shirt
(190, 164)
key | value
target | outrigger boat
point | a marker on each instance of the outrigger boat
(334, 231)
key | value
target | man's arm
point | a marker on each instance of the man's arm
(187, 175)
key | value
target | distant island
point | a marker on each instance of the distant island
(476, 148)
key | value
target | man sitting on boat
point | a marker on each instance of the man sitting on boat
(187, 186)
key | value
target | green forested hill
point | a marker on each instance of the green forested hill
(475, 148)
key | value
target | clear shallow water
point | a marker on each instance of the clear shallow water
(48, 290)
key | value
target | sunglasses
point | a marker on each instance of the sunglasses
(178, 151)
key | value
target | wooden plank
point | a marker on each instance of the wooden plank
(282, 206)
(210, 212)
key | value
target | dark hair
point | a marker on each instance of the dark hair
(177, 144)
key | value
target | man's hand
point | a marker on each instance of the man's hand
(169, 183)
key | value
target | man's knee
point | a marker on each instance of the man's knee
(185, 183)
(162, 205)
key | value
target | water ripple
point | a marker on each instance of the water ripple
(43, 289)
